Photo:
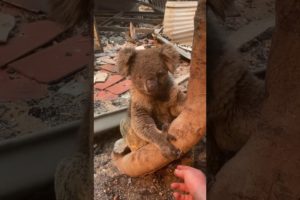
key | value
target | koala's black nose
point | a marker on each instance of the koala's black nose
(151, 84)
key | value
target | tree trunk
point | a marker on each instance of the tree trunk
(189, 126)
(267, 167)
(224, 8)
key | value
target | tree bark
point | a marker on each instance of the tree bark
(267, 167)
(189, 127)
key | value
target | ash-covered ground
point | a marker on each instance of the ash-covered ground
(65, 99)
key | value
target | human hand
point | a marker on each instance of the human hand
(194, 183)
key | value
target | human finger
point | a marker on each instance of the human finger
(179, 173)
(182, 167)
(179, 186)
(179, 196)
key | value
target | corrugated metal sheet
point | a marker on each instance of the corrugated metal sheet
(179, 21)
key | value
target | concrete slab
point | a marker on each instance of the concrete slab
(32, 36)
(106, 60)
(120, 88)
(100, 77)
(56, 62)
(20, 88)
(7, 23)
(31, 5)
(109, 82)
(109, 67)
(104, 96)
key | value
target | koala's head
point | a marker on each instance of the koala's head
(149, 68)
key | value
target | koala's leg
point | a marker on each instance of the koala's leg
(130, 139)
(124, 126)
(120, 146)
(145, 128)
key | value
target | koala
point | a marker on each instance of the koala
(155, 99)
(74, 174)
(234, 98)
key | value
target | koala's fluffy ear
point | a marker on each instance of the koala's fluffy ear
(125, 57)
(170, 57)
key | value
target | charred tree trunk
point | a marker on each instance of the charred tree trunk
(189, 126)
(267, 167)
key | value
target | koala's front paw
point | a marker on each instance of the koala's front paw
(170, 152)
(171, 137)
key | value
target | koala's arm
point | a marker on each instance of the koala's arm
(144, 126)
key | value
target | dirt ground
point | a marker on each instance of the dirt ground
(59, 107)
(110, 184)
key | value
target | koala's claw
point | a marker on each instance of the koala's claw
(165, 127)
(171, 153)
(179, 153)
(171, 137)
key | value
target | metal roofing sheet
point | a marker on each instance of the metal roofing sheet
(179, 21)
